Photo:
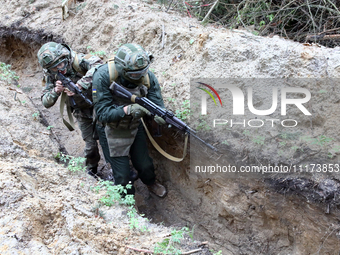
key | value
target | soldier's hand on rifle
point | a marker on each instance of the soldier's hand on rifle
(159, 120)
(79, 86)
(58, 87)
(68, 92)
(136, 111)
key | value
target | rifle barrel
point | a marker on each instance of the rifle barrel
(201, 140)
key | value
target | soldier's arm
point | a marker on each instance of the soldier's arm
(49, 97)
(154, 92)
(105, 108)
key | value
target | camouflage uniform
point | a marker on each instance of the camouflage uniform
(82, 76)
(126, 135)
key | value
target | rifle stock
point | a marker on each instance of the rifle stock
(154, 109)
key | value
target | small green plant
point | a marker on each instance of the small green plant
(152, 70)
(295, 148)
(100, 53)
(259, 140)
(321, 140)
(115, 193)
(184, 112)
(192, 41)
(283, 143)
(49, 127)
(246, 132)
(57, 156)
(203, 126)
(270, 17)
(75, 164)
(171, 100)
(284, 136)
(167, 245)
(134, 220)
(118, 194)
(333, 151)
(98, 213)
(36, 115)
(6, 74)
(216, 253)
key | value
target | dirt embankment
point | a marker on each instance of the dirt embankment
(240, 216)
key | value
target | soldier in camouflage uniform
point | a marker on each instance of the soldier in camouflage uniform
(54, 58)
(124, 131)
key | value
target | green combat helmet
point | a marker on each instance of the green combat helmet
(52, 54)
(132, 61)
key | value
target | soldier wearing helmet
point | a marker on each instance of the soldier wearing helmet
(54, 58)
(124, 131)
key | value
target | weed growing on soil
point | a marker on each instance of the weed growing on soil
(100, 53)
(167, 245)
(115, 193)
(118, 194)
(184, 112)
(36, 115)
(97, 212)
(332, 152)
(74, 164)
(6, 74)
(216, 253)
(259, 140)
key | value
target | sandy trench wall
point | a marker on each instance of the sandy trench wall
(243, 216)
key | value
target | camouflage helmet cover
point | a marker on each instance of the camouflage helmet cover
(132, 57)
(51, 54)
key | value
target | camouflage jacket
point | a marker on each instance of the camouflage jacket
(120, 129)
(82, 76)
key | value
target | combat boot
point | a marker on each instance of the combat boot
(158, 189)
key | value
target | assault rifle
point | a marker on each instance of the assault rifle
(154, 109)
(69, 84)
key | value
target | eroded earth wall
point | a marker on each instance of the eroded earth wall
(271, 215)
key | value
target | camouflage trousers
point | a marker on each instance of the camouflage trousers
(91, 150)
(140, 159)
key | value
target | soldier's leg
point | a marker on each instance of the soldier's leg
(91, 150)
(140, 158)
(103, 143)
(121, 171)
(144, 164)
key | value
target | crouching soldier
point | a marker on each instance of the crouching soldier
(59, 59)
(124, 130)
